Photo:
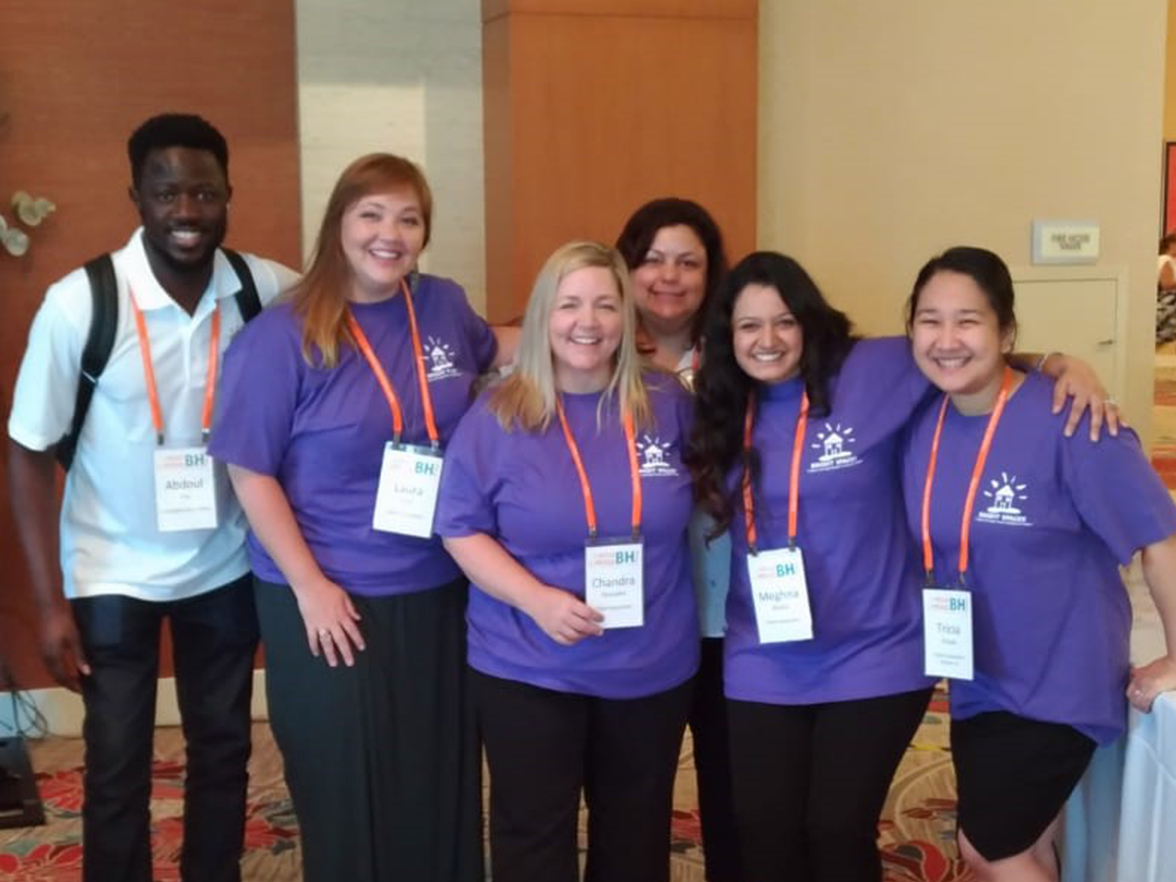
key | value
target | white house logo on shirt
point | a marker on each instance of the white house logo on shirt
(439, 359)
(1004, 499)
(835, 444)
(655, 458)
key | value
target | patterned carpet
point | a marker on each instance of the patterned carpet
(916, 833)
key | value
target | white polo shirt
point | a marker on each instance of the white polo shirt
(110, 543)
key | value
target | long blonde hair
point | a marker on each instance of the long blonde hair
(527, 397)
(320, 298)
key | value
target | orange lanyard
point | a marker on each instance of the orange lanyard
(977, 472)
(365, 347)
(149, 372)
(634, 472)
(793, 474)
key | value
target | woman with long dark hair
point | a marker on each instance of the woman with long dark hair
(796, 451)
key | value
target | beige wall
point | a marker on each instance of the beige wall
(889, 131)
(398, 76)
(1170, 79)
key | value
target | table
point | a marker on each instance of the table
(1120, 822)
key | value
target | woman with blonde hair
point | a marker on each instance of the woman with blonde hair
(336, 407)
(566, 503)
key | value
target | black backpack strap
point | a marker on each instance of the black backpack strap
(95, 355)
(248, 301)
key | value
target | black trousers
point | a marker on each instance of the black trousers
(381, 758)
(712, 765)
(545, 747)
(214, 637)
(810, 782)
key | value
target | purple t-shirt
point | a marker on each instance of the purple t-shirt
(321, 433)
(859, 560)
(522, 489)
(1053, 519)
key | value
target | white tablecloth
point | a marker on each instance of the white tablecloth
(1120, 823)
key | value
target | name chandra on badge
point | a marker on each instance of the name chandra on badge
(185, 492)
(780, 592)
(947, 633)
(614, 582)
(406, 498)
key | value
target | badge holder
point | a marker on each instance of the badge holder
(185, 489)
(614, 580)
(780, 593)
(406, 497)
(947, 632)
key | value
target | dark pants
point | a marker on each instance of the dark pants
(214, 637)
(381, 758)
(545, 747)
(712, 764)
(810, 782)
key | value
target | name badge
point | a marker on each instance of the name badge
(780, 592)
(407, 494)
(614, 583)
(185, 495)
(947, 633)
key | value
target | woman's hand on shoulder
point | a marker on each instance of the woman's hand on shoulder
(330, 618)
(562, 616)
(1150, 680)
(1078, 381)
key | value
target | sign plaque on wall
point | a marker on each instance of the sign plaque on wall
(1062, 241)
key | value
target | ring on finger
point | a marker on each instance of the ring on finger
(324, 633)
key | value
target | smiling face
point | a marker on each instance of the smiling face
(584, 329)
(670, 281)
(767, 339)
(382, 235)
(957, 340)
(182, 198)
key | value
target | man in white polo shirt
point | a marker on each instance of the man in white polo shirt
(148, 528)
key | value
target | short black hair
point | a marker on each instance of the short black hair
(175, 130)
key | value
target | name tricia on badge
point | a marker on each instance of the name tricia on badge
(185, 493)
(614, 581)
(780, 592)
(947, 633)
(406, 497)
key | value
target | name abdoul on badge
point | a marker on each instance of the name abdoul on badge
(185, 491)
(406, 498)
(614, 581)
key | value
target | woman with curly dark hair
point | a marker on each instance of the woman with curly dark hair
(796, 449)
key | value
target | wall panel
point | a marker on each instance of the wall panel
(75, 79)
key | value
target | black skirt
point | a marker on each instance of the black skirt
(381, 758)
(1014, 776)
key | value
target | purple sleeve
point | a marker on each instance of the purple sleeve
(483, 343)
(464, 506)
(258, 393)
(893, 371)
(1116, 492)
